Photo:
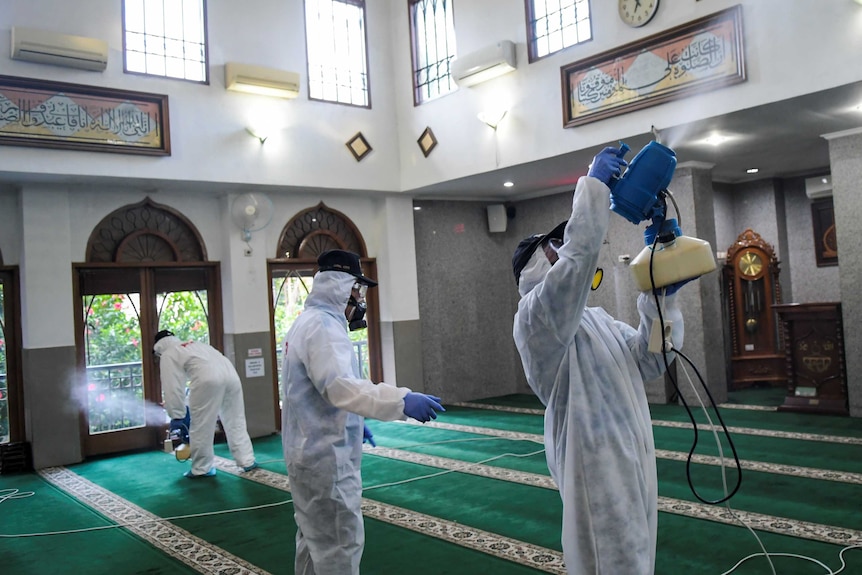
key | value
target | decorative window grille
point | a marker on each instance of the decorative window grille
(166, 38)
(556, 24)
(432, 30)
(336, 45)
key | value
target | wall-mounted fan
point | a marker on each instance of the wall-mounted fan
(250, 213)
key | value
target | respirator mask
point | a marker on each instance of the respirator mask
(356, 308)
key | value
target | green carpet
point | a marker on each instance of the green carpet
(103, 552)
(761, 395)
(166, 493)
(265, 537)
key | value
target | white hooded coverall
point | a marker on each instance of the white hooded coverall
(214, 389)
(325, 401)
(589, 371)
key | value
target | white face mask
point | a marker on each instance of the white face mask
(534, 272)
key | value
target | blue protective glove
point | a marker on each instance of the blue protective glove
(421, 407)
(672, 288)
(367, 436)
(607, 165)
(181, 427)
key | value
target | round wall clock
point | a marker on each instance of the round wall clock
(636, 13)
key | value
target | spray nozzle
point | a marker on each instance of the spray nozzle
(624, 149)
(637, 195)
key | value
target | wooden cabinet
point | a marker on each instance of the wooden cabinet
(750, 277)
(814, 358)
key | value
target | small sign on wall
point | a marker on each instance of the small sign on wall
(254, 367)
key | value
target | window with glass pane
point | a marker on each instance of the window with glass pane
(166, 38)
(433, 33)
(335, 40)
(115, 381)
(556, 24)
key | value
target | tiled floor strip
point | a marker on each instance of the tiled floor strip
(176, 542)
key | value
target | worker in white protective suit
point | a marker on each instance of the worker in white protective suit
(325, 401)
(589, 371)
(214, 390)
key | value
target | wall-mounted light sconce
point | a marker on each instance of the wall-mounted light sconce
(492, 118)
(257, 133)
(260, 80)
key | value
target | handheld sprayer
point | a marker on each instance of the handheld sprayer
(640, 194)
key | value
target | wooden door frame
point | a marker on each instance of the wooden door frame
(152, 435)
(372, 299)
(14, 372)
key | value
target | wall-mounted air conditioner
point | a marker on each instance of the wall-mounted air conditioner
(484, 64)
(59, 49)
(260, 80)
(819, 187)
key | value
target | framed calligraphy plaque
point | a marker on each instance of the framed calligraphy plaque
(48, 114)
(693, 58)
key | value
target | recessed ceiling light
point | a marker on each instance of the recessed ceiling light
(752, 171)
(417, 208)
(508, 184)
(716, 140)
(824, 180)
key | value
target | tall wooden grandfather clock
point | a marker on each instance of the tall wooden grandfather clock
(750, 278)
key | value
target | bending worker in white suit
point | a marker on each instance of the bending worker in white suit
(214, 390)
(325, 401)
(589, 371)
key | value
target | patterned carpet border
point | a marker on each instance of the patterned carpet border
(534, 556)
(685, 425)
(178, 543)
(748, 407)
(792, 470)
(531, 411)
(791, 527)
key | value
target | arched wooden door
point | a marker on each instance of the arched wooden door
(146, 270)
(307, 235)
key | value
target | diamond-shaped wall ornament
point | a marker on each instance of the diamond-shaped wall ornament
(359, 146)
(427, 141)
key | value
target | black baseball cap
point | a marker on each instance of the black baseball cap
(162, 334)
(343, 261)
(527, 246)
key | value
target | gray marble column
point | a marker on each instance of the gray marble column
(845, 157)
(700, 300)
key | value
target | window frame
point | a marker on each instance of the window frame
(206, 55)
(360, 4)
(531, 39)
(414, 46)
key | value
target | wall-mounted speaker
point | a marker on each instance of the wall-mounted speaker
(497, 218)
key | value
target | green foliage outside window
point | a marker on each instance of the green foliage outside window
(113, 336)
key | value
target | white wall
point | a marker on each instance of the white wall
(791, 48)
(207, 123)
(10, 226)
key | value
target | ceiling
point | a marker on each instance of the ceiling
(781, 139)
